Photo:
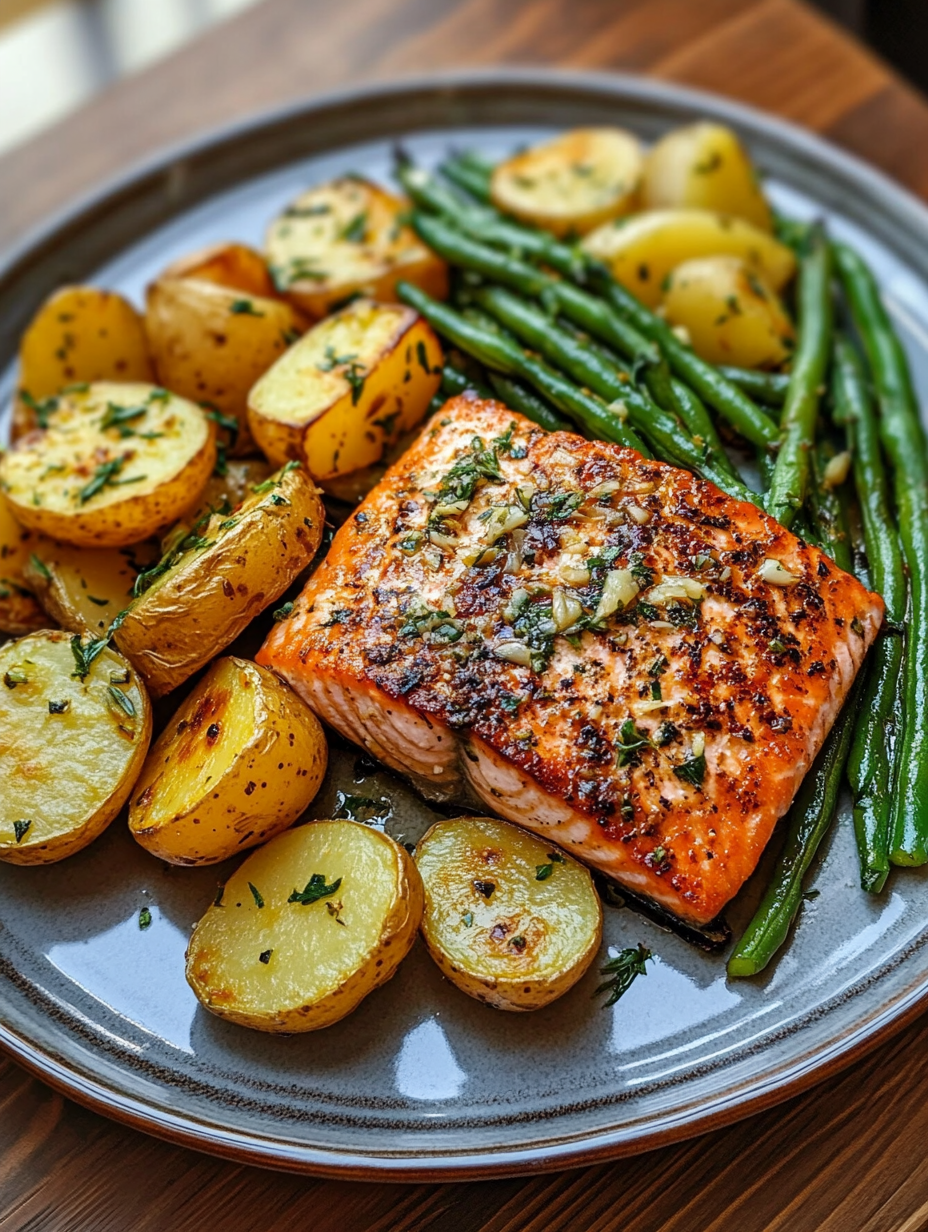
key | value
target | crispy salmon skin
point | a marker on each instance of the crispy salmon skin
(603, 649)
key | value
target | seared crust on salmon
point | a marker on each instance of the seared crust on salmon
(603, 649)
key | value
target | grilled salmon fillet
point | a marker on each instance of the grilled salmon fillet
(603, 649)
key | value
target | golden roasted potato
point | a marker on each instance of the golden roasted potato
(348, 238)
(348, 389)
(20, 610)
(510, 919)
(85, 589)
(210, 344)
(116, 463)
(306, 928)
(642, 250)
(79, 335)
(572, 184)
(212, 581)
(730, 314)
(228, 264)
(75, 723)
(237, 764)
(705, 166)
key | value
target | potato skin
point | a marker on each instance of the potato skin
(210, 343)
(642, 250)
(342, 416)
(730, 313)
(379, 881)
(193, 610)
(483, 895)
(226, 264)
(182, 814)
(704, 165)
(578, 181)
(46, 473)
(102, 746)
(85, 589)
(20, 610)
(79, 335)
(348, 238)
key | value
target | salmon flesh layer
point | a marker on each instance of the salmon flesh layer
(605, 650)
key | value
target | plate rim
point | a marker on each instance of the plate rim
(756, 1094)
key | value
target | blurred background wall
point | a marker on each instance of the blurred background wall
(54, 54)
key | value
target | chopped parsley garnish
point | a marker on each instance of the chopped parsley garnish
(315, 890)
(556, 506)
(244, 308)
(144, 918)
(120, 699)
(15, 676)
(21, 829)
(42, 410)
(98, 602)
(331, 360)
(534, 625)
(633, 740)
(103, 476)
(692, 771)
(217, 901)
(474, 467)
(281, 613)
(256, 895)
(622, 971)
(120, 417)
(84, 655)
(355, 231)
(355, 374)
(485, 888)
(40, 567)
(659, 666)
(421, 621)
(544, 871)
(423, 358)
(59, 707)
(467, 919)
(274, 481)
(265, 956)
(656, 695)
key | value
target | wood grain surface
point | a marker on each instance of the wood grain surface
(847, 1156)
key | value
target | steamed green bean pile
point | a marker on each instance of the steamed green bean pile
(835, 440)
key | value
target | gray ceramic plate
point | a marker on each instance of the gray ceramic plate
(422, 1081)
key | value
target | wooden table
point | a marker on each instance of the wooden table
(849, 1155)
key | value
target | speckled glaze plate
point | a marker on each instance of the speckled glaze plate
(422, 1081)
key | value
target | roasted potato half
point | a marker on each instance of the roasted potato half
(210, 344)
(510, 919)
(228, 264)
(571, 184)
(213, 580)
(641, 251)
(116, 463)
(79, 335)
(348, 389)
(85, 589)
(729, 312)
(705, 166)
(75, 723)
(306, 928)
(20, 610)
(348, 238)
(237, 764)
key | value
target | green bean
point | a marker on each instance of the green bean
(873, 763)
(828, 510)
(800, 412)
(763, 387)
(903, 440)
(454, 381)
(725, 397)
(504, 355)
(712, 384)
(585, 364)
(487, 224)
(697, 419)
(809, 821)
(519, 397)
(470, 171)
